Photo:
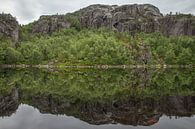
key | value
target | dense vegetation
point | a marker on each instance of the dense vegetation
(91, 47)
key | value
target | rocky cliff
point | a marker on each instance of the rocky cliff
(177, 25)
(48, 24)
(131, 18)
(126, 18)
(9, 27)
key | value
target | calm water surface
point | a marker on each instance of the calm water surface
(97, 99)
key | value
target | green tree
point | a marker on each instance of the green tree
(12, 56)
(185, 57)
(2, 55)
(170, 57)
(36, 57)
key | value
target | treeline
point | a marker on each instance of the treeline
(97, 46)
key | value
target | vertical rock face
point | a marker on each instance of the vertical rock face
(9, 26)
(136, 18)
(177, 25)
(48, 24)
(126, 18)
(130, 18)
(133, 19)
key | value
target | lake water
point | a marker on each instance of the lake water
(97, 99)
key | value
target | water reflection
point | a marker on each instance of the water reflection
(27, 117)
(137, 98)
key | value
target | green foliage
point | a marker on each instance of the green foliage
(98, 46)
(4, 43)
(78, 47)
(12, 56)
(25, 32)
(36, 57)
(2, 55)
(74, 21)
(171, 50)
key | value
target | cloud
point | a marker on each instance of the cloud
(29, 10)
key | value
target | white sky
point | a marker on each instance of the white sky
(29, 10)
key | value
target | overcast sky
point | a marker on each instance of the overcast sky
(29, 10)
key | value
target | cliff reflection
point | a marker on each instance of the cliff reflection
(134, 97)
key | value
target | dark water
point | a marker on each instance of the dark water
(97, 99)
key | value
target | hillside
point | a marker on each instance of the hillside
(101, 34)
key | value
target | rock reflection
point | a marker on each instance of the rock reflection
(128, 98)
(9, 103)
(132, 112)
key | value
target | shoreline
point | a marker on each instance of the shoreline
(95, 66)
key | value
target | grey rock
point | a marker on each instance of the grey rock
(9, 27)
(136, 18)
(133, 19)
(48, 24)
(130, 18)
(177, 25)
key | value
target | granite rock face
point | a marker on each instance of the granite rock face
(177, 25)
(131, 18)
(136, 18)
(49, 24)
(126, 18)
(9, 27)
